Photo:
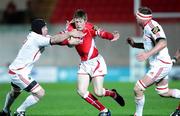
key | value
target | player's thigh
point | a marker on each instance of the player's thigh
(100, 67)
(143, 83)
(83, 82)
(21, 81)
(24, 82)
(154, 75)
(98, 83)
(162, 86)
(162, 82)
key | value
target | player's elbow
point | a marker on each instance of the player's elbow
(40, 93)
(162, 42)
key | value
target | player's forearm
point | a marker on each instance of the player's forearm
(158, 47)
(56, 39)
(105, 35)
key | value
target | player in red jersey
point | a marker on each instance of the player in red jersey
(92, 67)
(175, 59)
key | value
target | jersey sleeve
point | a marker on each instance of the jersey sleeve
(96, 31)
(157, 31)
(43, 41)
(63, 43)
(104, 34)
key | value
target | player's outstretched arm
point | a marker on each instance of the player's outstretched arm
(107, 35)
(56, 39)
(116, 36)
(74, 41)
(131, 42)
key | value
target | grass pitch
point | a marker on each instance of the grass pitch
(61, 99)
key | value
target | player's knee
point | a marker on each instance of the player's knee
(98, 92)
(40, 93)
(81, 92)
(139, 87)
(162, 90)
(163, 93)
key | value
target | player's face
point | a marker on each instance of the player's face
(139, 21)
(79, 23)
(44, 31)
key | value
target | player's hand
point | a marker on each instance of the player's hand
(116, 36)
(69, 22)
(74, 41)
(177, 54)
(130, 41)
(142, 56)
(76, 34)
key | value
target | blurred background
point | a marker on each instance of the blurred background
(61, 63)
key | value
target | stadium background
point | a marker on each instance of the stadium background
(59, 64)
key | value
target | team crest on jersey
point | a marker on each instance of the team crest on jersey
(155, 30)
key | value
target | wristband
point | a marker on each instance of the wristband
(174, 59)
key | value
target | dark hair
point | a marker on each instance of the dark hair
(80, 14)
(145, 10)
(37, 25)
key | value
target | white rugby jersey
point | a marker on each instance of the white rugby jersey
(152, 31)
(29, 53)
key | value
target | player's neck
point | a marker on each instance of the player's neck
(146, 22)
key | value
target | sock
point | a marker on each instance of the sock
(109, 93)
(105, 110)
(178, 106)
(176, 93)
(30, 100)
(139, 105)
(93, 101)
(8, 102)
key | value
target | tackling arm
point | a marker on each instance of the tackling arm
(64, 37)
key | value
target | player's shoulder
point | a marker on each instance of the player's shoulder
(153, 26)
(155, 23)
(89, 25)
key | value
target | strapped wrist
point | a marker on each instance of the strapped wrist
(174, 59)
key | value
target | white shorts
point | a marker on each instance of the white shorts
(93, 67)
(159, 71)
(24, 82)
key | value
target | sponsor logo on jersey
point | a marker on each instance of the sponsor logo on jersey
(155, 30)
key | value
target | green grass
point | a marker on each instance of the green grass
(61, 99)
